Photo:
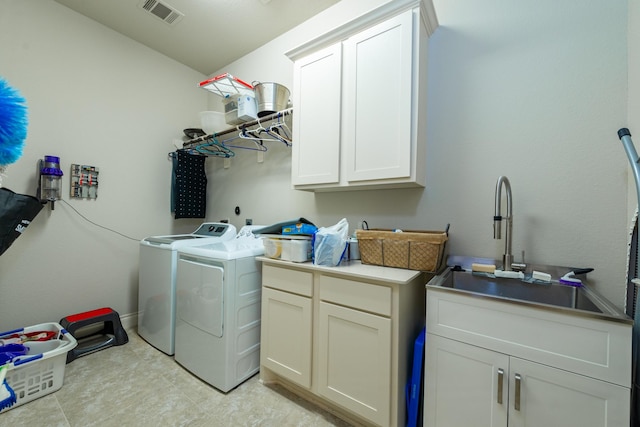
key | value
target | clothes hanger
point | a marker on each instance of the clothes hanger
(192, 151)
(207, 151)
(215, 148)
(261, 130)
(275, 132)
(249, 135)
(281, 129)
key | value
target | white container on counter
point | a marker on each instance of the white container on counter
(353, 249)
(288, 248)
(272, 248)
(297, 251)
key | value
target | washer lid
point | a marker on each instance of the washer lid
(207, 232)
(170, 239)
(231, 249)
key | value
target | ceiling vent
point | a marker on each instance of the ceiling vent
(162, 11)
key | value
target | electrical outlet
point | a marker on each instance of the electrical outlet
(225, 221)
(248, 221)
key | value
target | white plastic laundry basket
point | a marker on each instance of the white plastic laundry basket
(41, 370)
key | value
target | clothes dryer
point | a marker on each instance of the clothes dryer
(218, 310)
(157, 280)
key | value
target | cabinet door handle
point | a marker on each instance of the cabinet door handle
(516, 404)
(500, 380)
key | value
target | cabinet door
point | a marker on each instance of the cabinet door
(316, 122)
(553, 397)
(285, 341)
(465, 385)
(354, 361)
(377, 101)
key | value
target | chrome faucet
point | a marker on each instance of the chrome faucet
(507, 258)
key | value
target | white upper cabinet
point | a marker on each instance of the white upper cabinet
(360, 97)
(377, 94)
(317, 85)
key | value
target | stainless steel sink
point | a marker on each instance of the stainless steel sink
(554, 295)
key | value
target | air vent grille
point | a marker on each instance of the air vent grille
(162, 11)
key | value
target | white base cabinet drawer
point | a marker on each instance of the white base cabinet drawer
(288, 280)
(359, 295)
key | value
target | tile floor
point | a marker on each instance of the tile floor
(137, 385)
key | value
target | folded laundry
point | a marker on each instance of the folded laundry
(25, 337)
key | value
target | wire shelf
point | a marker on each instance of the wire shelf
(226, 84)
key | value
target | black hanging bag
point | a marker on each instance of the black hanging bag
(16, 213)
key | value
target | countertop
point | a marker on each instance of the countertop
(356, 270)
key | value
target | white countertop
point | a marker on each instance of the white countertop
(354, 269)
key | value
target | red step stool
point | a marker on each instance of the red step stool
(112, 332)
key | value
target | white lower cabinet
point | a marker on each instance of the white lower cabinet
(483, 372)
(473, 386)
(462, 385)
(287, 335)
(540, 395)
(342, 337)
(354, 361)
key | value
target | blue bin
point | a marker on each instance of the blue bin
(414, 388)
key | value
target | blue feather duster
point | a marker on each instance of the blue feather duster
(13, 123)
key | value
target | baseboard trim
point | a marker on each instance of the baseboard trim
(129, 320)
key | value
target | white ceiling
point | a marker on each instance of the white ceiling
(212, 33)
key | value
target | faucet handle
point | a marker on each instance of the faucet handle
(518, 267)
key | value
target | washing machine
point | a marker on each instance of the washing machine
(157, 280)
(218, 313)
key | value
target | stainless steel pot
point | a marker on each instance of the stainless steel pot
(271, 97)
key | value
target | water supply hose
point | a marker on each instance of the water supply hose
(625, 137)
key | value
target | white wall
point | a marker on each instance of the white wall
(534, 90)
(94, 97)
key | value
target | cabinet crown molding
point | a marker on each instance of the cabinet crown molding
(387, 10)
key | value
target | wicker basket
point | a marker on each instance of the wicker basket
(414, 250)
